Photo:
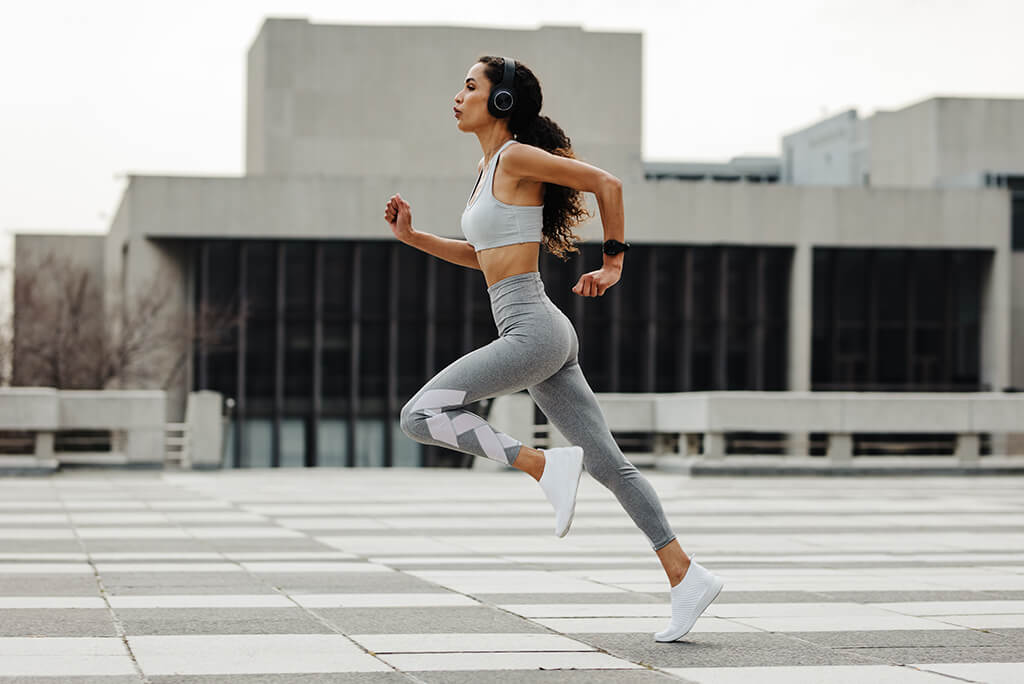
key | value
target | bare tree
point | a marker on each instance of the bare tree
(67, 336)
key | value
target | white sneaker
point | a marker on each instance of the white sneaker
(563, 467)
(689, 599)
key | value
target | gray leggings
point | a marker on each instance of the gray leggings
(536, 350)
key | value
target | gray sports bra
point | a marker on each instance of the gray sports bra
(488, 222)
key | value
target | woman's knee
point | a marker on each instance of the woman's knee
(411, 421)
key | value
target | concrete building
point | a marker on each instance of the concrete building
(873, 254)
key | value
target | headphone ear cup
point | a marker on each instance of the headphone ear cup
(500, 102)
(502, 97)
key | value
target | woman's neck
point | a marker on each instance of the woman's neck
(492, 140)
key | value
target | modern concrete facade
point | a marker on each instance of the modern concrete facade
(941, 142)
(341, 117)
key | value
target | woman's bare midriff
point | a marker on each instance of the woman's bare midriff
(498, 263)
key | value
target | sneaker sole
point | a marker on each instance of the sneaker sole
(572, 512)
(710, 595)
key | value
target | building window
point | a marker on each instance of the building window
(896, 320)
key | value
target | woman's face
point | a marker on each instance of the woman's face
(470, 109)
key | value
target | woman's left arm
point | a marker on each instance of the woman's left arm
(533, 163)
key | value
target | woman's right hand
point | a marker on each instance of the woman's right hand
(398, 214)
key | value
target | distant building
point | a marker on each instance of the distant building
(873, 254)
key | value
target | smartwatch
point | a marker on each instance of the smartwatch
(613, 247)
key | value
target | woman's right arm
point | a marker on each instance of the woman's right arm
(456, 251)
(398, 214)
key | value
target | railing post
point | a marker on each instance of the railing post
(967, 448)
(840, 448)
(44, 446)
(714, 444)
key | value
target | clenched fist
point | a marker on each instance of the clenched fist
(398, 214)
(594, 284)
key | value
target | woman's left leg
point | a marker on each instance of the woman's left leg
(567, 400)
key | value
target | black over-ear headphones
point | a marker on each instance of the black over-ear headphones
(503, 95)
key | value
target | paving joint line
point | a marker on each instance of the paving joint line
(118, 625)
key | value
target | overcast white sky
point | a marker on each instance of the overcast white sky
(93, 90)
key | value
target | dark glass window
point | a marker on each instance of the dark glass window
(337, 278)
(337, 349)
(375, 293)
(261, 278)
(896, 319)
(682, 318)
(298, 290)
(259, 359)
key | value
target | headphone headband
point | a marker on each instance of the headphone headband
(510, 72)
(503, 95)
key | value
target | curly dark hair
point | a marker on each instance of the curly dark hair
(563, 207)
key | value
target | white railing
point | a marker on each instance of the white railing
(840, 415)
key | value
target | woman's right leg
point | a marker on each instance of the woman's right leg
(569, 403)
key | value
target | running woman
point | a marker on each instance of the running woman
(528, 194)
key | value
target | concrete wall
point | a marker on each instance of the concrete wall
(377, 100)
(311, 207)
(904, 148)
(979, 135)
(139, 266)
(944, 140)
(830, 152)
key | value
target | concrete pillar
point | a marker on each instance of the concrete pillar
(205, 429)
(996, 321)
(801, 279)
(996, 316)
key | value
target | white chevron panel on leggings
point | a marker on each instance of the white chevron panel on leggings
(507, 441)
(439, 398)
(441, 429)
(464, 422)
(490, 444)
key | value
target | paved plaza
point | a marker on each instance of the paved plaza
(437, 575)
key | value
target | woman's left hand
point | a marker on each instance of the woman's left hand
(594, 284)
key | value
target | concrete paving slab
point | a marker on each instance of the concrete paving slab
(947, 654)
(994, 673)
(808, 674)
(427, 620)
(902, 638)
(213, 621)
(73, 679)
(53, 585)
(250, 654)
(719, 650)
(467, 642)
(412, 662)
(812, 559)
(77, 622)
(289, 678)
(603, 597)
(548, 677)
